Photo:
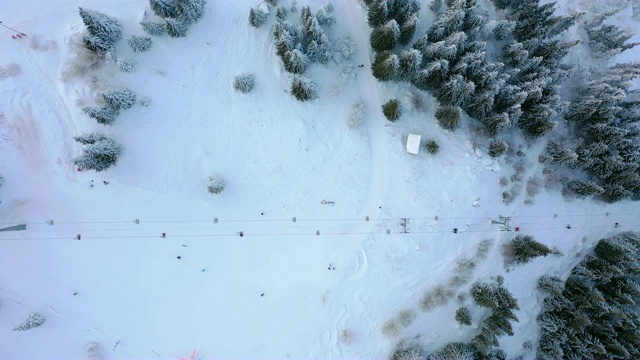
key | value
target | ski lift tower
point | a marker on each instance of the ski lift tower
(504, 221)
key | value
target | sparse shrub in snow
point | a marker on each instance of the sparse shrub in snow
(345, 47)
(10, 70)
(99, 154)
(189, 11)
(176, 27)
(407, 351)
(391, 109)
(94, 351)
(346, 336)
(216, 184)
(273, 3)
(119, 98)
(533, 186)
(391, 328)
(104, 116)
(356, 115)
(448, 117)
(432, 146)
(435, 5)
(126, 65)
(32, 321)
(145, 101)
(164, 8)
(483, 249)
(303, 88)
(463, 316)
(257, 17)
(462, 273)
(497, 148)
(153, 28)
(524, 248)
(438, 296)
(406, 317)
(582, 189)
(139, 43)
(244, 83)
(105, 28)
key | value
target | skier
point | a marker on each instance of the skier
(455, 230)
(517, 228)
(164, 235)
(616, 225)
(178, 257)
(241, 233)
(105, 182)
(568, 226)
(78, 237)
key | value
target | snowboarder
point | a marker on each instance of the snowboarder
(455, 230)
(616, 225)
(568, 226)
(178, 257)
(164, 235)
(105, 182)
(241, 233)
(261, 294)
(78, 237)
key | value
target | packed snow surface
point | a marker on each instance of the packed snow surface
(342, 228)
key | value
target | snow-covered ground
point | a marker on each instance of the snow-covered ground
(269, 294)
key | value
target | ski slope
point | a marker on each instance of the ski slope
(281, 159)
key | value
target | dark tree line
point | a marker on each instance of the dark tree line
(594, 313)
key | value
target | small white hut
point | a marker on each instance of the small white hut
(413, 143)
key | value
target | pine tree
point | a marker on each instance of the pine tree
(562, 155)
(377, 13)
(303, 88)
(104, 116)
(281, 13)
(119, 98)
(175, 27)
(139, 43)
(189, 11)
(32, 321)
(152, 28)
(408, 30)
(385, 37)
(164, 8)
(324, 15)
(297, 61)
(385, 66)
(98, 155)
(484, 295)
(463, 316)
(525, 249)
(244, 83)
(503, 29)
(257, 17)
(392, 110)
(101, 26)
(448, 117)
(497, 148)
(456, 90)
(96, 44)
(90, 138)
(435, 5)
(409, 63)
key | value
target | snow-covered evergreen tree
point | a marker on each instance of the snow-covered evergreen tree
(409, 63)
(32, 321)
(119, 98)
(106, 28)
(189, 11)
(281, 13)
(497, 148)
(377, 14)
(456, 90)
(385, 37)
(503, 29)
(216, 184)
(176, 27)
(448, 117)
(126, 65)
(96, 44)
(408, 29)
(562, 155)
(90, 138)
(385, 66)
(303, 88)
(139, 43)
(104, 116)
(296, 61)
(463, 316)
(257, 17)
(325, 16)
(153, 28)
(164, 8)
(244, 82)
(98, 155)
(525, 248)
(496, 123)
(584, 188)
(609, 40)
(392, 110)
(435, 5)
(345, 47)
